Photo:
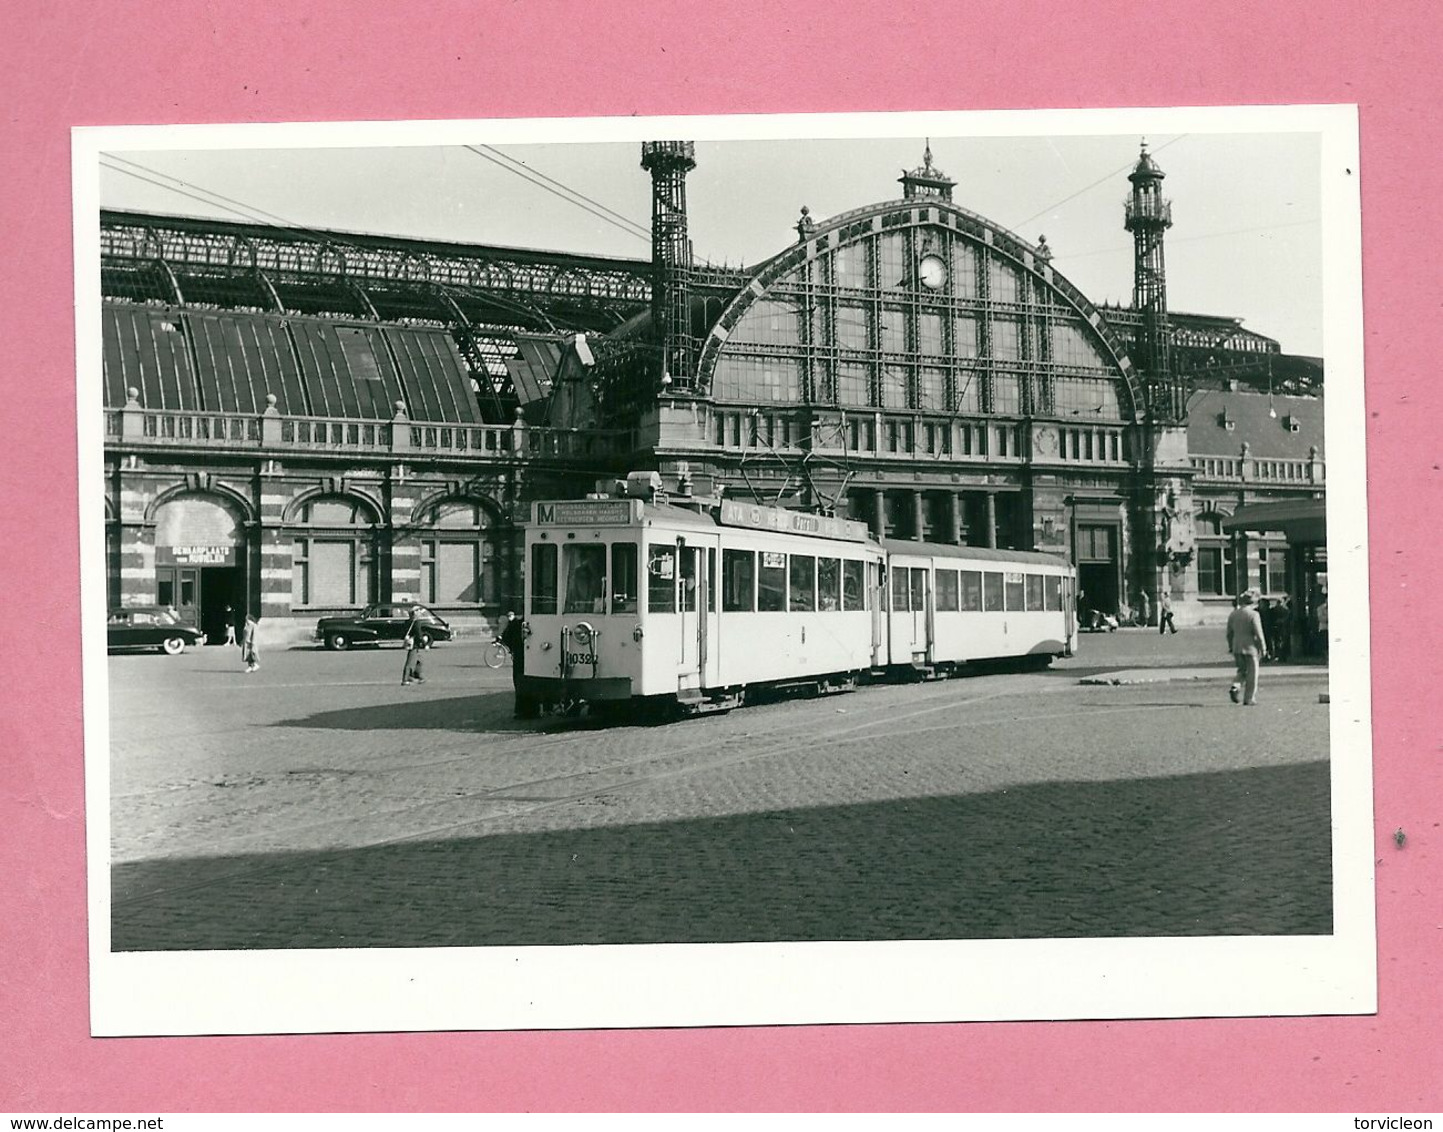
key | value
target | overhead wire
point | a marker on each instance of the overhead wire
(601, 212)
(259, 215)
(642, 230)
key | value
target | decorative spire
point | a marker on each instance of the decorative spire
(927, 180)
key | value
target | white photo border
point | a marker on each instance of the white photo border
(666, 985)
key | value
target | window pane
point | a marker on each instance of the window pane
(543, 578)
(458, 573)
(919, 589)
(584, 568)
(803, 576)
(333, 572)
(772, 582)
(661, 579)
(1034, 592)
(623, 577)
(739, 576)
(854, 585)
(689, 579)
(971, 590)
(992, 591)
(1052, 584)
(948, 597)
(901, 590)
(166, 587)
(1016, 592)
(829, 583)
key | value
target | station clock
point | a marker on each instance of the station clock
(932, 272)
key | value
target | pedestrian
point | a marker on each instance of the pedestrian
(1268, 619)
(1144, 608)
(1282, 636)
(1164, 613)
(230, 625)
(513, 636)
(417, 641)
(1321, 617)
(1247, 643)
(248, 643)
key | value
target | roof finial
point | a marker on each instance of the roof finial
(927, 155)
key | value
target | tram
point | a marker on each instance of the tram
(699, 603)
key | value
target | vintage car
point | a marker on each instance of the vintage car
(150, 627)
(377, 623)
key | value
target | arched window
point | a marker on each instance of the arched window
(333, 552)
(459, 560)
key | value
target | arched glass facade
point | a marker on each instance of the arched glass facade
(918, 317)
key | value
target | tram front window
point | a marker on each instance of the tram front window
(585, 572)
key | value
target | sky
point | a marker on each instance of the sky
(1246, 239)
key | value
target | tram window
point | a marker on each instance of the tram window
(1052, 585)
(992, 592)
(689, 557)
(585, 568)
(919, 589)
(948, 599)
(772, 582)
(661, 579)
(543, 578)
(802, 574)
(623, 577)
(739, 581)
(971, 587)
(901, 591)
(1034, 592)
(829, 584)
(1016, 593)
(854, 585)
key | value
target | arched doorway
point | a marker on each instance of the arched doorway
(200, 562)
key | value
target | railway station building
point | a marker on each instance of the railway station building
(298, 423)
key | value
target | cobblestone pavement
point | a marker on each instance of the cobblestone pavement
(318, 803)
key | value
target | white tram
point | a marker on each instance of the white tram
(629, 599)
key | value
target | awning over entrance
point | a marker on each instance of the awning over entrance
(1301, 520)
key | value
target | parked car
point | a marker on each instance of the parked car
(377, 623)
(150, 627)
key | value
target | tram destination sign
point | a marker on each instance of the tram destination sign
(585, 513)
(735, 513)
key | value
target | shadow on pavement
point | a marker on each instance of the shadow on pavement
(1239, 852)
(481, 711)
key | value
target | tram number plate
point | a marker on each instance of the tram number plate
(573, 659)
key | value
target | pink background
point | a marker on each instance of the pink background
(67, 64)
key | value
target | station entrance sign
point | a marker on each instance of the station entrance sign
(757, 516)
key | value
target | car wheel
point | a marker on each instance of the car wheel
(338, 642)
(173, 646)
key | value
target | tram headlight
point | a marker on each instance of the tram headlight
(637, 634)
(584, 633)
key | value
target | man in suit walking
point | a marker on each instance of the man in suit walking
(1248, 645)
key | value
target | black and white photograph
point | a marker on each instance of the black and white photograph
(724, 571)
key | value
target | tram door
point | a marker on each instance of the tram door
(877, 603)
(911, 614)
(698, 654)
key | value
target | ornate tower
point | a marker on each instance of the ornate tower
(927, 180)
(669, 162)
(1148, 216)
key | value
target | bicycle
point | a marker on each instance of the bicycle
(496, 654)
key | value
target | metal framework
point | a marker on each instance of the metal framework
(1147, 216)
(669, 162)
